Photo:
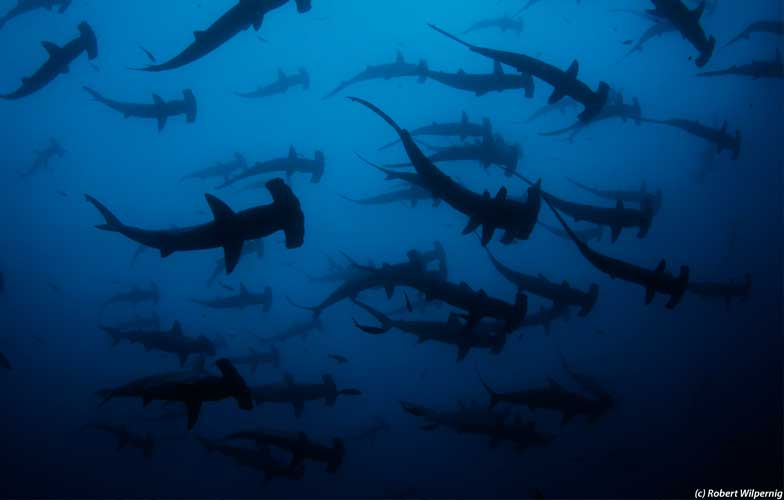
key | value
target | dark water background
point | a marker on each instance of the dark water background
(700, 387)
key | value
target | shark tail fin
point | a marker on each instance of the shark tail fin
(303, 73)
(89, 41)
(191, 108)
(422, 71)
(314, 309)
(94, 93)
(237, 384)
(494, 399)
(284, 198)
(706, 54)
(336, 459)
(266, 304)
(331, 390)
(319, 173)
(386, 322)
(680, 289)
(112, 222)
(593, 295)
(106, 395)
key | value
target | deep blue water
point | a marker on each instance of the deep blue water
(699, 387)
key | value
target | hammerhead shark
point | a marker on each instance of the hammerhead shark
(562, 294)
(43, 157)
(173, 341)
(462, 129)
(288, 165)
(229, 229)
(249, 248)
(243, 15)
(256, 458)
(411, 195)
(220, 169)
(639, 196)
(719, 137)
(25, 6)
(451, 332)
(59, 61)
(297, 393)
(492, 150)
(481, 84)
(656, 280)
(755, 70)
(545, 316)
(255, 358)
(159, 110)
(200, 389)
(280, 86)
(660, 27)
(505, 23)
(152, 322)
(722, 291)
(516, 218)
(135, 295)
(295, 330)
(688, 23)
(564, 83)
(398, 69)
(774, 27)
(614, 109)
(241, 300)
(299, 445)
(125, 437)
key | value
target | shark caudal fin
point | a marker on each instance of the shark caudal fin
(587, 306)
(423, 71)
(293, 220)
(330, 390)
(319, 172)
(235, 383)
(266, 300)
(336, 457)
(94, 94)
(494, 398)
(112, 222)
(303, 6)
(707, 53)
(115, 334)
(386, 322)
(89, 40)
(191, 108)
(305, 78)
(736, 145)
(680, 288)
(596, 105)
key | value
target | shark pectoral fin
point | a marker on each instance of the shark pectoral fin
(299, 407)
(258, 22)
(194, 408)
(508, 238)
(161, 122)
(556, 96)
(473, 223)
(232, 251)
(649, 293)
(615, 233)
(51, 47)
(389, 289)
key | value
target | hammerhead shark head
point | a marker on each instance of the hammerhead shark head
(220, 169)
(126, 437)
(200, 389)
(135, 295)
(398, 69)
(25, 6)
(451, 332)
(462, 129)
(719, 137)
(243, 15)
(539, 285)
(492, 150)
(257, 458)
(504, 24)
(515, 217)
(561, 106)
(296, 393)
(289, 165)
(280, 86)
(159, 110)
(295, 330)
(229, 229)
(173, 341)
(412, 195)
(722, 291)
(640, 196)
(59, 61)
(774, 27)
(481, 84)
(564, 83)
(614, 109)
(656, 280)
(299, 445)
(254, 359)
(249, 248)
(43, 157)
(241, 300)
(756, 69)
(481, 421)
(659, 28)
(688, 23)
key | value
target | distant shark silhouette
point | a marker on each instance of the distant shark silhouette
(159, 110)
(280, 86)
(398, 69)
(26, 6)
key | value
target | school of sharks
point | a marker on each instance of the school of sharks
(257, 248)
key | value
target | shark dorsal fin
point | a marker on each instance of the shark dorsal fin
(461, 71)
(697, 12)
(292, 153)
(51, 47)
(498, 69)
(573, 69)
(176, 328)
(501, 195)
(662, 266)
(157, 100)
(399, 59)
(220, 210)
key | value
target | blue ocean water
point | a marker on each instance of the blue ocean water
(698, 388)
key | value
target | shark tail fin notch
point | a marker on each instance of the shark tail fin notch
(112, 222)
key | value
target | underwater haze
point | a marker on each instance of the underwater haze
(137, 361)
